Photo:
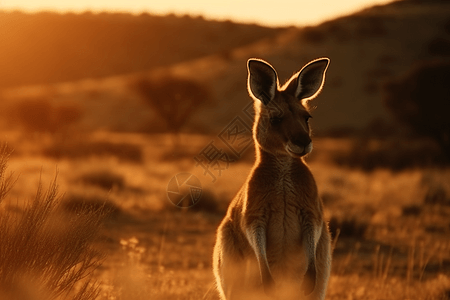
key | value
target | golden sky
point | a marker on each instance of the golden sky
(266, 12)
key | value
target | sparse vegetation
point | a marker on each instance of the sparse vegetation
(40, 115)
(87, 204)
(439, 47)
(392, 153)
(104, 179)
(72, 149)
(420, 101)
(209, 203)
(347, 227)
(366, 208)
(437, 188)
(44, 252)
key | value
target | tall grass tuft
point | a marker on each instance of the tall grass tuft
(46, 253)
(6, 182)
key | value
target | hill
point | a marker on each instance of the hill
(366, 49)
(47, 47)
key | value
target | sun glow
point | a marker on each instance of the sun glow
(272, 13)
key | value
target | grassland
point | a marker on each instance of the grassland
(390, 228)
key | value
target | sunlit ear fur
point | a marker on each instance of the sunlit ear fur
(262, 81)
(308, 82)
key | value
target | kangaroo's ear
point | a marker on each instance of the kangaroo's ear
(262, 80)
(311, 78)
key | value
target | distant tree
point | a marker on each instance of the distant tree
(40, 115)
(421, 100)
(33, 114)
(174, 99)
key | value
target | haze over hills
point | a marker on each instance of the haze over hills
(366, 49)
(48, 47)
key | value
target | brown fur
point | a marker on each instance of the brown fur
(274, 243)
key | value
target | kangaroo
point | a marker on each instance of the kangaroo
(273, 242)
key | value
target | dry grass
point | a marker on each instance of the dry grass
(6, 181)
(391, 237)
(45, 253)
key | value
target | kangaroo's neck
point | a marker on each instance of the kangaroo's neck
(278, 164)
(282, 172)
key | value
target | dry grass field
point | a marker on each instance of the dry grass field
(390, 228)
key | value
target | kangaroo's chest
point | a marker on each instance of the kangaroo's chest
(284, 219)
(283, 196)
(288, 205)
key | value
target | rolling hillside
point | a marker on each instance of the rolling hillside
(366, 49)
(46, 47)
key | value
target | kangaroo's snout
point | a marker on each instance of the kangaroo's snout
(296, 150)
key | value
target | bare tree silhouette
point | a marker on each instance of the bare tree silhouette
(174, 99)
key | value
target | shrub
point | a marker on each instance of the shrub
(40, 115)
(420, 101)
(207, 203)
(66, 114)
(33, 114)
(392, 153)
(44, 251)
(439, 47)
(437, 186)
(349, 227)
(104, 179)
(123, 151)
(412, 210)
(437, 195)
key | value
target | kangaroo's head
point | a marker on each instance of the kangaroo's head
(281, 116)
